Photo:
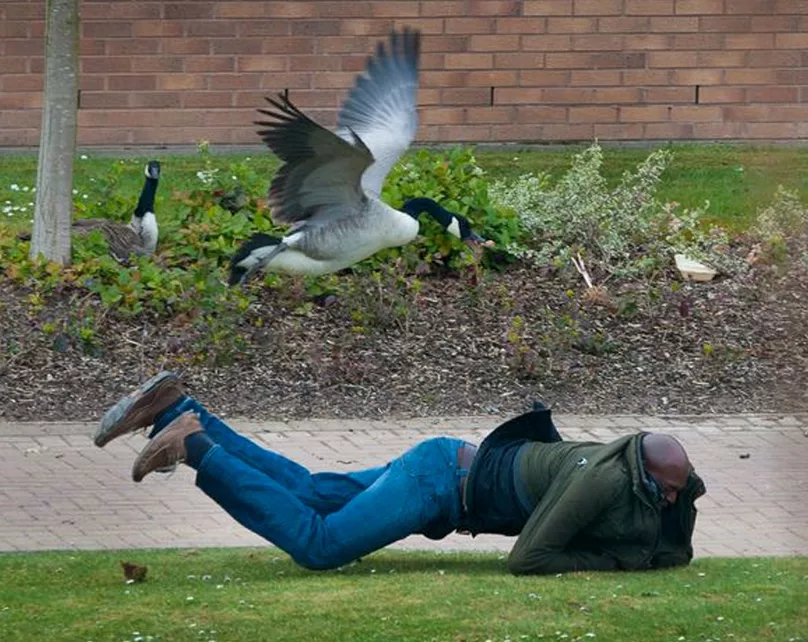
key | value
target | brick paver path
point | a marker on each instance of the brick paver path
(58, 491)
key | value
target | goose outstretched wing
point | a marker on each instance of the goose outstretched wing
(381, 107)
(320, 179)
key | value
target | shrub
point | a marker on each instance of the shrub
(783, 219)
(624, 231)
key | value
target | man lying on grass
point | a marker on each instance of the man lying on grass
(576, 506)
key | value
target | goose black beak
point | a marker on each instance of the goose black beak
(475, 239)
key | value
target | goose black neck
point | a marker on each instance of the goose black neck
(415, 206)
(146, 201)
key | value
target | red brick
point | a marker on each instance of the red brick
(428, 26)
(697, 76)
(429, 97)
(20, 119)
(433, 61)
(131, 82)
(235, 81)
(471, 25)
(188, 10)
(218, 64)
(646, 77)
(649, 7)
(523, 133)
(728, 23)
(187, 46)
(442, 8)
(699, 6)
(594, 78)
(571, 25)
(618, 60)
(723, 58)
(672, 59)
(547, 7)
(772, 131)
(438, 78)
(772, 94)
(786, 58)
(518, 60)
(750, 77)
(289, 46)
(546, 43)
(292, 9)
(722, 95)
(24, 11)
(156, 100)
(443, 116)
(119, 11)
(105, 65)
(773, 23)
(10, 65)
(519, 25)
(567, 60)
(495, 43)
(96, 47)
(515, 96)
(543, 78)
(91, 83)
(466, 96)
(103, 136)
(668, 95)
(497, 78)
(249, 28)
(472, 133)
(19, 137)
(305, 98)
(394, 9)
(22, 82)
(696, 113)
(597, 7)
(494, 7)
(674, 24)
(765, 7)
(764, 113)
(490, 114)
(365, 27)
(638, 24)
(644, 114)
(446, 44)
(215, 28)
(618, 131)
(791, 40)
(791, 6)
(668, 131)
(571, 133)
(541, 114)
(165, 64)
(123, 47)
(617, 95)
(227, 46)
(157, 29)
(314, 28)
(469, 60)
(240, 10)
(567, 95)
(593, 114)
(646, 41)
(14, 29)
(180, 82)
(749, 41)
(24, 47)
(106, 30)
(201, 99)
(276, 81)
(698, 41)
(597, 42)
(296, 63)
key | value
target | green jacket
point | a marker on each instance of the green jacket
(592, 508)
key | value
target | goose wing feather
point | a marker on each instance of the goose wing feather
(381, 107)
(320, 180)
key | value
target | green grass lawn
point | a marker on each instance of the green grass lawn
(252, 595)
(736, 179)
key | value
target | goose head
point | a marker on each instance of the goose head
(153, 169)
(455, 224)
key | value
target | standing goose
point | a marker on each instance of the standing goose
(330, 184)
(139, 236)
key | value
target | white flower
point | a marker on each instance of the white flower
(14, 187)
(83, 157)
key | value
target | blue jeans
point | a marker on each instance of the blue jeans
(325, 520)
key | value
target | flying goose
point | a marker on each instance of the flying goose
(139, 236)
(329, 187)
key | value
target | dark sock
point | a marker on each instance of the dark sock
(197, 446)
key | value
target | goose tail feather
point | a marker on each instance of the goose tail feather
(252, 255)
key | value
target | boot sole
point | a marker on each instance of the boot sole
(129, 414)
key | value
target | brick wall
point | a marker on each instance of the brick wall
(493, 70)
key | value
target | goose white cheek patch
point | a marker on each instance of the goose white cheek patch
(454, 227)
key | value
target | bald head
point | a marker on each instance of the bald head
(666, 460)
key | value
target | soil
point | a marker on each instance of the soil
(458, 347)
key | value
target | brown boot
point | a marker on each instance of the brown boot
(167, 449)
(139, 409)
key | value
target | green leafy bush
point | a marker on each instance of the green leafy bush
(622, 231)
(783, 219)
